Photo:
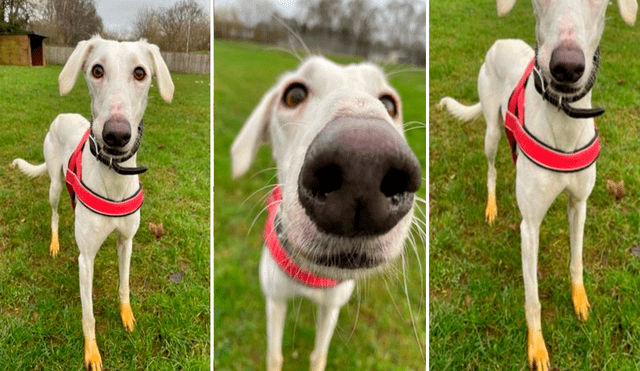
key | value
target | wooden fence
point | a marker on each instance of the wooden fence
(177, 62)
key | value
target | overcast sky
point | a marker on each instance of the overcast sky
(285, 7)
(118, 15)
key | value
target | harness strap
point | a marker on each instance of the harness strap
(538, 152)
(94, 202)
(280, 255)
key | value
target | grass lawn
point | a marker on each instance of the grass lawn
(376, 328)
(476, 292)
(39, 297)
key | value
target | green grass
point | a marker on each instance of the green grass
(39, 296)
(476, 293)
(375, 330)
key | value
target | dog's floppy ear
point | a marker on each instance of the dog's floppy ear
(75, 63)
(163, 77)
(253, 133)
(628, 10)
(504, 6)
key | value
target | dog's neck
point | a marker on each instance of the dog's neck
(114, 162)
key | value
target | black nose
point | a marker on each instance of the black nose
(358, 178)
(567, 63)
(116, 132)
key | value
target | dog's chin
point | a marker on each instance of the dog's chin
(343, 258)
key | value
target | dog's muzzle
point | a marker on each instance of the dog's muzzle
(116, 134)
(358, 178)
(567, 66)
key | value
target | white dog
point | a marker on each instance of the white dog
(346, 181)
(105, 181)
(557, 143)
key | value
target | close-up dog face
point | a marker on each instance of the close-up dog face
(337, 137)
(118, 76)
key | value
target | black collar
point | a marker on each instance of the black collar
(114, 162)
(562, 102)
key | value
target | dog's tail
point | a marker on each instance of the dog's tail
(460, 111)
(28, 169)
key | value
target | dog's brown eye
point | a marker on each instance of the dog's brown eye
(97, 71)
(139, 74)
(295, 94)
(390, 105)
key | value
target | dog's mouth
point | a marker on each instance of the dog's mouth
(356, 257)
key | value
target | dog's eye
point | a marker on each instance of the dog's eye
(97, 71)
(139, 74)
(390, 105)
(295, 94)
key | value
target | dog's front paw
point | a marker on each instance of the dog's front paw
(92, 359)
(580, 301)
(491, 211)
(55, 245)
(537, 351)
(127, 316)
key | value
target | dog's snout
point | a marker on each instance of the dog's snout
(358, 178)
(116, 132)
(567, 63)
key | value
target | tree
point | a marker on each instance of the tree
(184, 27)
(146, 24)
(68, 22)
(14, 15)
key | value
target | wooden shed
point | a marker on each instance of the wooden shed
(22, 50)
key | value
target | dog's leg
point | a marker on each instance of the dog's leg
(533, 206)
(54, 197)
(491, 110)
(577, 211)
(325, 325)
(89, 238)
(92, 359)
(276, 312)
(536, 349)
(124, 260)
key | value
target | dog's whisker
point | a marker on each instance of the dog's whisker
(405, 70)
(295, 34)
(411, 316)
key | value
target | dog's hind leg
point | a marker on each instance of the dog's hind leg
(325, 325)
(54, 197)
(124, 260)
(577, 210)
(490, 100)
(276, 313)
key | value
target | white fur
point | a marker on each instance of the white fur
(117, 93)
(579, 22)
(334, 91)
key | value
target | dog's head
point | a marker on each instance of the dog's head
(119, 76)
(347, 175)
(568, 33)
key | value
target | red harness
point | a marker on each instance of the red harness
(538, 152)
(280, 255)
(88, 198)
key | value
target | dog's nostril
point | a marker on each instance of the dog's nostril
(395, 182)
(325, 180)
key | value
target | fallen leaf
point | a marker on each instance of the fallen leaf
(156, 229)
(636, 251)
(176, 277)
(616, 189)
